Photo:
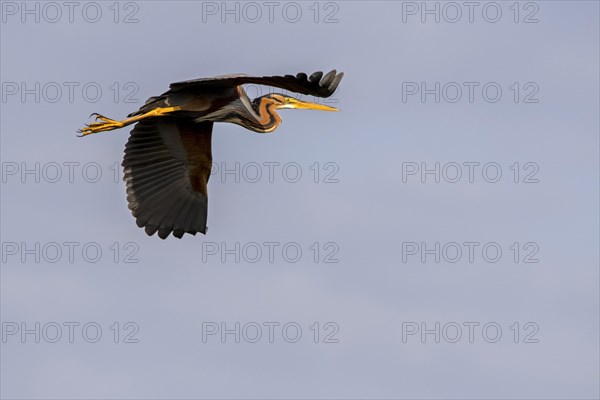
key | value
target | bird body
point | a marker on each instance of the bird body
(168, 156)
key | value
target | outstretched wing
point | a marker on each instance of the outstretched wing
(167, 166)
(316, 85)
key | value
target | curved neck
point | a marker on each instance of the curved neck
(266, 118)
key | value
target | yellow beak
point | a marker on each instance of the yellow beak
(290, 102)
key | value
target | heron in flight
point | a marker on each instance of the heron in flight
(168, 155)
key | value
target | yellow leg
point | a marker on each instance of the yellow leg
(108, 124)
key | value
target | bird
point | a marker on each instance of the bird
(168, 156)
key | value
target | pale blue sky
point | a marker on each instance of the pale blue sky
(367, 220)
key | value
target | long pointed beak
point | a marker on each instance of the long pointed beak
(305, 105)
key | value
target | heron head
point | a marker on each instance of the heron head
(282, 102)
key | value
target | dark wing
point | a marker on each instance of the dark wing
(316, 85)
(167, 166)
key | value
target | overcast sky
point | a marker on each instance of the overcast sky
(438, 238)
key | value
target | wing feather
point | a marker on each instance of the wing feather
(167, 166)
(315, 85)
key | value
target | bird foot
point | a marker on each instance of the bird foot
(106, 124)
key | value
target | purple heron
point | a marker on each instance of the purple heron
(168, 156)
